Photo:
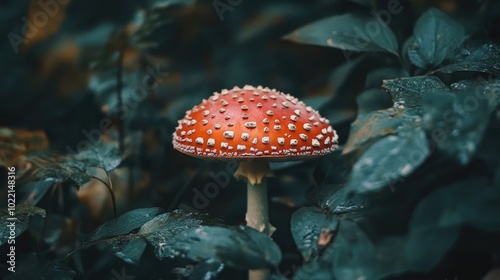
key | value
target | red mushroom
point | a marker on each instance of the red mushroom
(254, 125)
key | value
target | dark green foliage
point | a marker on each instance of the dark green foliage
(347, 32)
(22, 216)
(411, 87)
(435, 37)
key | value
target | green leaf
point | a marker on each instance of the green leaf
(408, 92)
(485, 59)
(243, 248)
(373, 125)
(123, 224)
(129, 248)
(387, 161)
(437, 220)
(307, 225)
(435, 36)
(200, 238)
(348, 32)
(456, 122)
(161, 4)
(20, 216)
(104, 156)
(355, 256)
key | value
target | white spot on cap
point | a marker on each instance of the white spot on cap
(204, 122)
(315, 143)
(259, 105)
(224, 145)
(319, 136)
(285, 104)
(329, 129)
(265, 120)
(307, 126)
(248, 87)
(183, 133)
(229, 134)
(277, 127)
(215, 97)
(209, 131)
(244, 107)
(276, 121)
(222, 110)
(206, 113)
(311, 118)
(265, 140)
(234, 95)
(273, 96)
(230, 124)
(224, 92)
(293, 118)
(227, 117)
(251, 124)
(335, 137)
(323, 130)
(211, 142)
(256, 93)
(291, 127)
(297, 112)
(199, 140)
(264, 97)
(245, 135)
(269, 113)
(241, 147)
(309, 109)
(303, 136)
(255, 141)
(266, 129)
(275, 105)
(224, 102)
(327, 141)
(236, 88)
(240, 100)
(217, 125)
(281, 141)
(244, 116)
(294, 142)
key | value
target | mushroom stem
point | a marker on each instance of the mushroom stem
(257, 217)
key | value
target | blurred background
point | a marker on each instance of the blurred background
(75, 73)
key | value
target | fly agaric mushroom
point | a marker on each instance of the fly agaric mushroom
(254, 125)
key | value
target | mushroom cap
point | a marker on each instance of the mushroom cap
(254, 122)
